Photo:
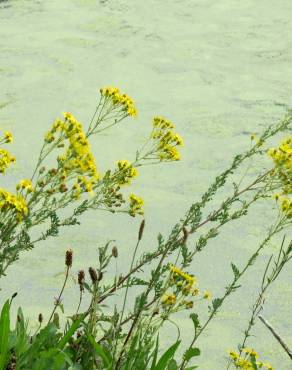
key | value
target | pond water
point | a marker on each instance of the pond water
(218, 69)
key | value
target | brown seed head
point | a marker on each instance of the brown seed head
(186, 234)
(40, 318)
(115, 252)
(141, 229)
(53, 171)
(69, 258)
(93, 274)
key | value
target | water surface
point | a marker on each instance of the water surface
(218, 69)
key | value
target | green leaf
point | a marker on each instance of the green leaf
(155, 353)
(70, 332)
(216, 303)
(167, 356)
(4, 333)
(195, 319)
(172, 365)
(191, 352)
(100, 351)
(235, 270)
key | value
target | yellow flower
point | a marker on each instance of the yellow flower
(5, 160)
(8, 137)
(250, 352)
(26, 185)
(136, 205)
(126, 172)
(126, 103)
(207, 295)
(168, 299)
(13, 202)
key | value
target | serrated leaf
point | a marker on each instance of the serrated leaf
(195, 319)
(216, 303)
(235, 270)
(191, 352)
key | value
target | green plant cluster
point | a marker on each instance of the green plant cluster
(113, 336)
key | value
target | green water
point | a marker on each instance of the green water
(218, 69)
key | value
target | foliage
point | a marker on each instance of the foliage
(107, 335)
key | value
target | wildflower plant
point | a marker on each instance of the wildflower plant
(105, 334)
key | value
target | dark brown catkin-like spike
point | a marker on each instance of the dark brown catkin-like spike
(40, 318)
(93, 274)
(81, 277)
(141, 229)
(186, 234)
(115, 252)
(69, 258)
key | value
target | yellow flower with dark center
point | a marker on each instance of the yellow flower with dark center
(207, 295)
(8, 137)
(168, 299)
(26, 185)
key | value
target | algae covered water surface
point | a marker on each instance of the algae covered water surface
(218, 69)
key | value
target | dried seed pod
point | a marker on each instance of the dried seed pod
(93, 274)
(141, 229)
(40, 318)
(115, 252)
(81, 277)
(53, 171)
(69, 258)
(186, 234)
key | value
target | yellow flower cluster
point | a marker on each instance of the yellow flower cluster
(5, 160)
(13, 202)
(166, 139)
(249, 361)
(168, 299)
(182, 285)
(25, 185)
(183, 280)
(77, 158)
(136, 204)
(126, 172)
(113, 95)
(282, 157)
(8, 137)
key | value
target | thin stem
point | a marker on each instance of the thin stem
(58, 300)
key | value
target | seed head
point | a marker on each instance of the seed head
(115, 252)
(93, 275)
(40, 318)
(186, 234)
(141, 229)
(69, 258)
